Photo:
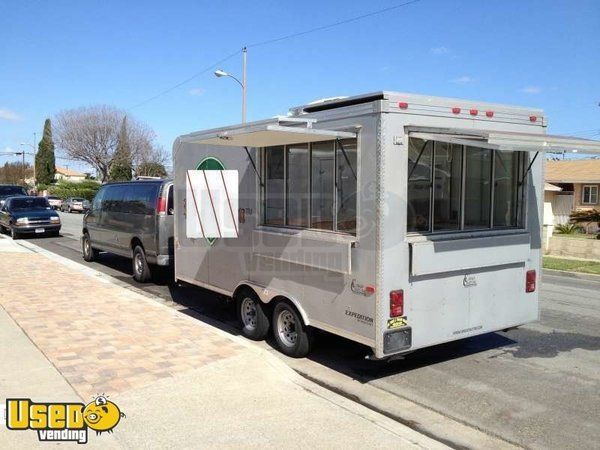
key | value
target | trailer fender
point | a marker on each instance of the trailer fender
(266, 295)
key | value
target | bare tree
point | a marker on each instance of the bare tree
(91, 134)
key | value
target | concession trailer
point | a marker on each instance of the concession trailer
(398, 221)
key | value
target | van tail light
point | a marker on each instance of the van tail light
(161, 206)
(530, 281)
(397, 303)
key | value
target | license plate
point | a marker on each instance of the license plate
(39, 230)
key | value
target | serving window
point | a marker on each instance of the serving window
(311, 185)
(453, 187)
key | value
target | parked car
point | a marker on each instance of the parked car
(55, 202)
(9, 190)
(28, 216)
(132, 219)
(78, 204)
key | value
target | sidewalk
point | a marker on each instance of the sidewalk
(67, 333)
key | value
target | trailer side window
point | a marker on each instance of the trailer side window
(447, 186)
(419, 184)
(322, 173)
(478, 187)
(455, 187)
(346, 185)
(274, 187)
(506, 188)
(297, 185)
(311, 185)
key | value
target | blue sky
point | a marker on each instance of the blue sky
(64, 54)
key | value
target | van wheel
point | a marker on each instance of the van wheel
(252, 315)
(141, 271)
(293, 337)
(14, 234)
(89, 253)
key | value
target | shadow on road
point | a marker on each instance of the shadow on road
(341, 354)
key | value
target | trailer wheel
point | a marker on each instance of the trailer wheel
(252, 316)
(293, 337)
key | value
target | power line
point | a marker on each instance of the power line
(331, 25)
(271, 41)
(172, 88)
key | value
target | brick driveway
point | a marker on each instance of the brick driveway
(101, 337)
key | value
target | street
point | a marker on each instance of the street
(536, 386)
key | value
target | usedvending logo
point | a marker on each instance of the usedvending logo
(58, 421)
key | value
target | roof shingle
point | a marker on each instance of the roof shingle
(574, 171)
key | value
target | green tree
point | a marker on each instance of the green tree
(45, 162)
(121, 167)
(151, 169)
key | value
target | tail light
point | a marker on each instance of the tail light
(161, 206)
(397, 303)
(530, 279)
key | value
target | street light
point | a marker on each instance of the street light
(221, 73)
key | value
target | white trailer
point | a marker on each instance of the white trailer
(395, 220)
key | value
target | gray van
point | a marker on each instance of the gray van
(132, 219)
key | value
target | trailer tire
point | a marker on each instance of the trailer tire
(252, 315)
(293, 337)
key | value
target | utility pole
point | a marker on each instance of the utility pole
(34, 155)
(244, 83)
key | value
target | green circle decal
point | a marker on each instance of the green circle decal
(210, 163)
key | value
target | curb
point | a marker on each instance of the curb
(569, 274)
(321, 389)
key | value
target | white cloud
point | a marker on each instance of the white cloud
(7, 114)
(439, 50)
(531, 90)
(463, 80)
(197, 92)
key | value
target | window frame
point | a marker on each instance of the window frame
(591, 187)
(263, 189)
(520, 207)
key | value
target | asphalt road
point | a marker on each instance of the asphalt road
(538, 385)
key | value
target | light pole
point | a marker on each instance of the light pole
(221, 73)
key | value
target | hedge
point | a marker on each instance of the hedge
(64, 189)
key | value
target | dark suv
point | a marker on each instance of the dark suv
(9, 190)
(132, 219)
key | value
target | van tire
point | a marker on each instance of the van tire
(89, 253)
(293, 337)
(252, 315)
(14, 234)
(141, 270)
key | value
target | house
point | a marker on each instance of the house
(64, 173)
(571, 185)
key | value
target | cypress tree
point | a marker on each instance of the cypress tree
(45, 162)
(121, 167)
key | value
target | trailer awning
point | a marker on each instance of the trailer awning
(507, 141)
(279, 131)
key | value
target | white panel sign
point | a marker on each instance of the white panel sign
(212, 204)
